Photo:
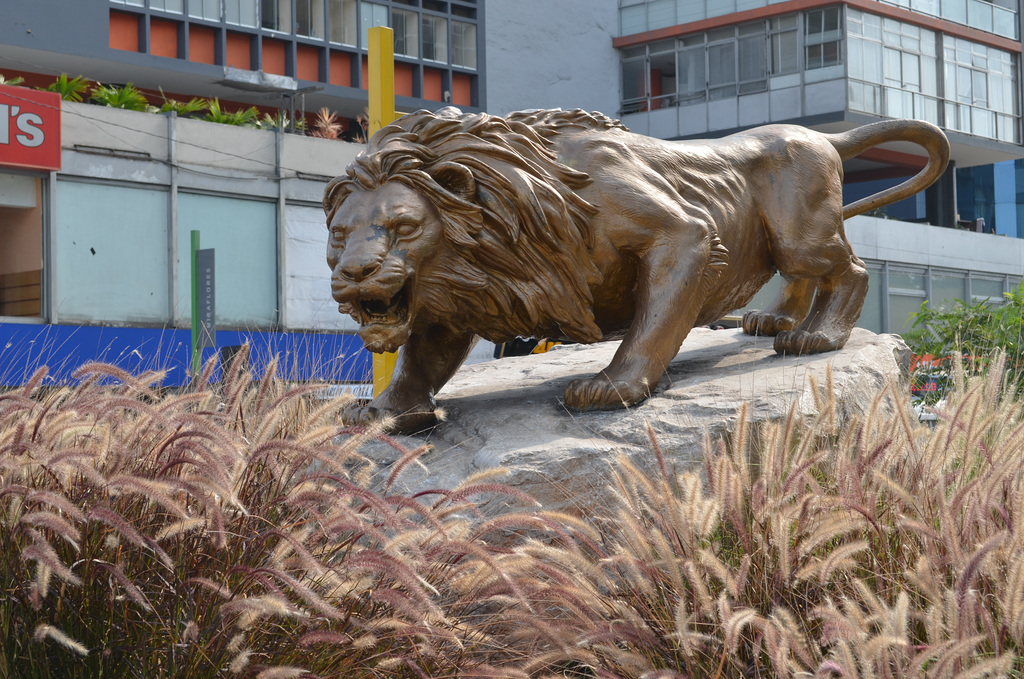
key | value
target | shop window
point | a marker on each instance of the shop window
(406, 26)
(276, 15)
(463, 44)
(21, 246)
(240, 12)
(341, 16)
(435, 39)
(110, 257)
(309, 18)
(244, 235)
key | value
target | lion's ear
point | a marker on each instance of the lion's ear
(456, 178)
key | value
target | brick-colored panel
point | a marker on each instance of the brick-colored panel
(202, 44)
(403, 79)
(433, 84)
(341, 69)
(237, 51)
(307, 63)
(163, 38)
(462, 89)
(274, 56)
(124, 31)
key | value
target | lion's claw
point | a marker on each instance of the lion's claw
(602, 393)
(803, 342)
(407, 422)
(764, 324)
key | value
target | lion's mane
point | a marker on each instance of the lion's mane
(516, 253)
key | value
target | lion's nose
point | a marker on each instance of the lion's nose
(358, 271)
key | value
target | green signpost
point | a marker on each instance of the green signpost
(204, 327)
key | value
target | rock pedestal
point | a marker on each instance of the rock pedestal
(509, 413)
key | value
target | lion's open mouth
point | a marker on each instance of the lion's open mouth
(391, 311)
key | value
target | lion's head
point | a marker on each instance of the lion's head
(464, 220)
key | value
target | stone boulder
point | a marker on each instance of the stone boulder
(509, 413)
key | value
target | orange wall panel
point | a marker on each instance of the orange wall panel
(124, 31)
(163, 38)
(274, 56)
(202, 44)
(433, 84)
(341, 69)
(307, 66)
(462, 89)
(403, 79)
(237, 51)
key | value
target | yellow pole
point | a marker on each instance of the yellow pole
(381, 87)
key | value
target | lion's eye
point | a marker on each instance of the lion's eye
(406, 229)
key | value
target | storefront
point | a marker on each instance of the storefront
(94, 232)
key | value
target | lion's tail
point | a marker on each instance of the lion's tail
(924, 134)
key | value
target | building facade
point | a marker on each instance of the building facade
(261, 52)
(94, 257)
(696, 68)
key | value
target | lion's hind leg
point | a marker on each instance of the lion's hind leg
(785, 313)
(833, 314)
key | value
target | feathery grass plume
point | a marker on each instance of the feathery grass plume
(170, 519)
(883, 550)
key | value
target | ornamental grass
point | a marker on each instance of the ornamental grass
(235, 530)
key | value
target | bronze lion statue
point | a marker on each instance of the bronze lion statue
(563, 224)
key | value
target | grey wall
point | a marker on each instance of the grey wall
(552, 54)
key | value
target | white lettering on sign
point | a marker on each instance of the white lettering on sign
(29, 125)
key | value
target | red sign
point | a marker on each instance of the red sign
(29, 128)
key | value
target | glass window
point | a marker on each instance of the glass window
(407, 37)
(174, 6)
(342, 18)
(751, 58)
(822, 38)
(204, 9)
(435, 38)
(309, 18)
(946, 288)
(240, 12)
(21, 245)
(871, 313)
(245, 231)
(111, 263)
(371, 15)
(987, 288)
(463, 44)
(722, 70)
(634, 79)
(133, 3)
(691, 69)
(784, 49)
(276, 15)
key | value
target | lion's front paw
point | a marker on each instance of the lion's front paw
(407, 422)
(764, 324)
(804, 342)
(602, 393)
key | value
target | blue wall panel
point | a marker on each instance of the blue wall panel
(63, 348)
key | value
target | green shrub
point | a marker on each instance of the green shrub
(973, 331)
